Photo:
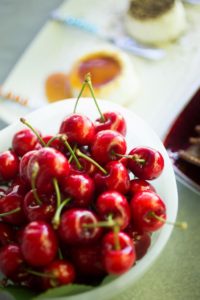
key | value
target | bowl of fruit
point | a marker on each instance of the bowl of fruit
(86, 191)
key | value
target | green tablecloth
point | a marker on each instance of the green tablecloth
(176, 273)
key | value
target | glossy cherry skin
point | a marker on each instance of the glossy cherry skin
(141, 240)
(106, 144)
(10, 259)
(10, 202)
(62, 271)
(6, 234)
(2, 192)
(39, 244)
(34, 211)
(115, 204)
(79, 187)
(9, 165)
(140, 185)
(113, 120)
(142, 206)
(72, 230)
(24, 141)
(18, 186)
(88, 260)
(118, 261)
(152, 166)
(116, 179)
(79, 129)
(52, 164)
(56, 144)
(23, 167)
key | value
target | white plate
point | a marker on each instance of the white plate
(166, 85)
(48, 119)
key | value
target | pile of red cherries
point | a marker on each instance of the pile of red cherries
(76, 206)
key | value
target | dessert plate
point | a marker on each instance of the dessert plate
(184, 153)
(48, 119)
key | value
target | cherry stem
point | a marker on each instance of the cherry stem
(80, 94)
(64, 140)
(36, 273)
(81, 154)
(60, 255)
(57, 190)
(24, 121)
(56, 218)
(71, 156)
(133, 157)
(116, 236)
(33, 178)
(181, 225)
(56, 137)
(13, 211)
(89, 83)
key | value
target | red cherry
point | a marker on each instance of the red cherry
(118, 261)
(72, 230)
(79, 129)
(35, 211)
(24, 141)
(10, 259)
(9, 165)
(23, 166)
(145, 206)
(79, 187)
(114, 204)
(117, 178)
(56, 143)
(6, 234)
(52, 164)
(141, 240)
(39, 244)
(12, 201)
(112, 120)
(147, 163)
(106, 144)
(140, 185)
(88, 260)
(59, 272)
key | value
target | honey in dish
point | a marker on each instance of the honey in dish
(103, 68)
(57, 87)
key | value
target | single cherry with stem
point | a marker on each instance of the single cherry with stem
(24, 141)
(37, 134)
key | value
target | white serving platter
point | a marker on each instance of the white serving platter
(166, 85)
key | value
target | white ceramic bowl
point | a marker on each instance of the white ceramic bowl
(48, 118)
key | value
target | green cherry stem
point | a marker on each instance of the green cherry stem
(89, 83)
(181, 225)
(71, 156)
(24, 121)
(133, 157)
(36, 273)
(8, 213)
(56, 137)
(81, 154)
(63, 138)
(57, 191)
(33, 179)
(79, 95)
(56, 218)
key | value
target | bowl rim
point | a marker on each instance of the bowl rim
(125, 280)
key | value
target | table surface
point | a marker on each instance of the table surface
(176, 273)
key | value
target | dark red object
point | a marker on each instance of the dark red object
(72, 230)
(140, 185)
(150, 168)
(39, 244)
(106, 144)
(142, 206)
(113, 120)
(10, 259)
(79, 129)
(118, 261)
(6, 234)
(24, 141)
(59, 272)
(114, 204)
(9, 165)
